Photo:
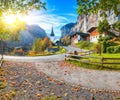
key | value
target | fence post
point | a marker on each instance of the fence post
(65, 56)
(102, 61)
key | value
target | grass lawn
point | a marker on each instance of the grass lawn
(94, 61)
(117, 55)
(46, 53)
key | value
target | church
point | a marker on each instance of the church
(52, 35)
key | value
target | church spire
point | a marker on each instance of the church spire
(52, 35)
(52, 32)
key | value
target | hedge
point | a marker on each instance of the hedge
(113, 49)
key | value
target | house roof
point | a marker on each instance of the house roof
(94, 33)
(92, 29)
(80, 33)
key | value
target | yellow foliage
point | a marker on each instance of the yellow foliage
(32, 53)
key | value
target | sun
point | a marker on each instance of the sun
(10, 19)
(14, 18)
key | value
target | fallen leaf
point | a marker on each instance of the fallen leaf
(65, 94)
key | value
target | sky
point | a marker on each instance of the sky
(58, 13)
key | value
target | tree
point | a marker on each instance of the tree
(40, 45)
(103, 27)
(93, 6)
(50, 44)
(116, 26)
(15, 7)
(37, 45)
(45, 43)
(20, 6)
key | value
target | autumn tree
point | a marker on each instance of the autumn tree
(45, 43)
(40, 45)
(37, 45)
(50, 44)
(15, 7)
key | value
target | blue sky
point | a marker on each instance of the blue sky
(58, 13)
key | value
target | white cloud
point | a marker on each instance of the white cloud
(46, 21)
(71, 14)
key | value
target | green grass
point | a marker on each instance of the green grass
(93, 66)
(46, 53)
(85, 65)
(117, 55)
(62, 50)
(94, 61)
(85, 45)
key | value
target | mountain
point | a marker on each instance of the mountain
(79, 26)
(65, 30)
(28, 36)
(36, 31)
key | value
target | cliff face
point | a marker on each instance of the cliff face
(71, 28)
(79, 26)
(28, 36)
(84, 23)
(66, 29)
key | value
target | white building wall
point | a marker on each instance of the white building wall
(94, 38)
(52, 38)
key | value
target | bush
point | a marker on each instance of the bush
(32, 53)
(113, 49)
(86, 45)
(104, 46)
(110, 49)
(116, 49)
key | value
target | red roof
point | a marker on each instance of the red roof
(94, 33)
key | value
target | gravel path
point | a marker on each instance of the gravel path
(29, 83)
(101, 80)
(72, 49)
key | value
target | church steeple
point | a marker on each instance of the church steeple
(52, 35)
(52, 32)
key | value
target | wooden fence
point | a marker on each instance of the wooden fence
(93, 60)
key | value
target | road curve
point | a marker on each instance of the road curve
(59, 57)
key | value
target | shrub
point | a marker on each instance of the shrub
(32, 53)
(63, 50)
(110, 49)
(85, 45)
(116, 49)
(104, 46)
(113, 49)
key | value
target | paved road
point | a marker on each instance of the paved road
(59, 57)
(94, 79)
(88, 78)
(72, 49)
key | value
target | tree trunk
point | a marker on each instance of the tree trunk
(2, 48)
